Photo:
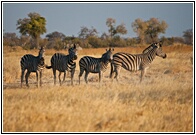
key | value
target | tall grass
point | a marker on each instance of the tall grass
(163, 102)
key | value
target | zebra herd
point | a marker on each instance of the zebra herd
(63, 63)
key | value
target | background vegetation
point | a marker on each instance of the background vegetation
(32, 27)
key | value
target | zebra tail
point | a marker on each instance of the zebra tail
(48, 67)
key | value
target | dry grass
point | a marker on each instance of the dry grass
(163, 102)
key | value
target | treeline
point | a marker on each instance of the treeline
(147, 31)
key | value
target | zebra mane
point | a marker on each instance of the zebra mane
(153, 45)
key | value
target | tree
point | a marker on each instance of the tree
(120, 29)
(55, 35)
(33, 26)
(149, 30)
(188, 36)
(86, 32)
(154, 28)
(139, 26)
(110, 22)
(55, 40)
(114, 30)
(10, 39)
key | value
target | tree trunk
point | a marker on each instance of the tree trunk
(37, 42)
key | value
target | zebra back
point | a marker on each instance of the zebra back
(95, 65)
(64, 62)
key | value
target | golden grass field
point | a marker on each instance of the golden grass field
(163, 102)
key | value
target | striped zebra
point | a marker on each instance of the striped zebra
(62, 62)
(32, 64)
(95, 65)
(135, 62)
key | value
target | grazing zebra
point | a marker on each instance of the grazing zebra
(136, 62)
(32, 64)
(62, 62)
(95, 65)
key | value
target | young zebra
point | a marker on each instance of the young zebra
(95, 65)
(32, 64)
(62, 62)
(136, 62)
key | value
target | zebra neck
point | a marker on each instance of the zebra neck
(150, 56)
(104, 60)
(104, 63)
(71, 62)
(40, 55)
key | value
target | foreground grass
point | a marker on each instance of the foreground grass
(111, 107)
(163, 102)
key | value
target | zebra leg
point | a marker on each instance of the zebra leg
(37, 79)
(22, 77)
(40, 78)
(86, 75)
(111, 71)
(64, 76)
(26, 78)
(99, 76)
(54, 73)
(72, 75)
(60, 78)
(143, 71)
(80, 74)
(116, 70)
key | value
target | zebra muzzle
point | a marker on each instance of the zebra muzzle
(165, 56)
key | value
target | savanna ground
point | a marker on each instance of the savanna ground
(163, 102)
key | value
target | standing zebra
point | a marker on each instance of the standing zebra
(32, 64)
(95, 65)
(136, 62)
(62, 62)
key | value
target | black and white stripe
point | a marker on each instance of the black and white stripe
(135, 62)
(95, 65)
(63, 63)
(32, 64)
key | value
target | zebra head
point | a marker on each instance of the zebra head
(159, 51)
(73, 52)
(108, 55)
(41, 52)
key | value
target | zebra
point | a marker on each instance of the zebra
(95, 65)
(32, 64)
(62, 62)
(135, 62)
